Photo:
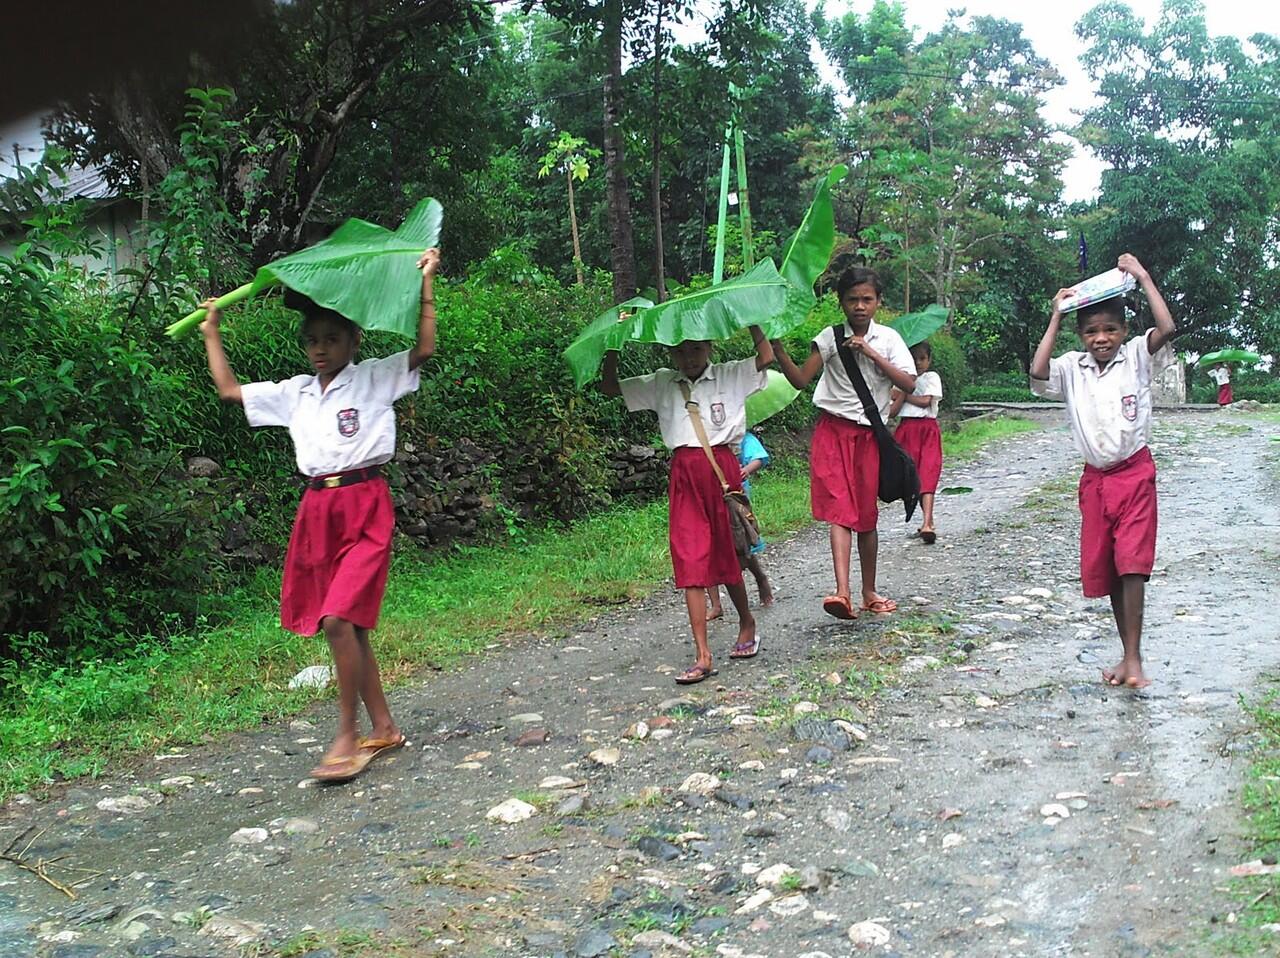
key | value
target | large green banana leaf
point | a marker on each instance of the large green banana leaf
(776, 300)
(775, 397)
(1229, 356)
(716, 312)
(366, 272)
(919, 326)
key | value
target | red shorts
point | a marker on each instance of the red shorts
(1224, 394)
(1118, 522)
(338, 558)
(922, 439)
(844, 474)
(702, 552)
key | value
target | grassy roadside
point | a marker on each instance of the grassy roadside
(61, 723)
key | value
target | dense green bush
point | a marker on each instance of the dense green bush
(949, 363)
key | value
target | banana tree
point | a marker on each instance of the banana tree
(570, 154)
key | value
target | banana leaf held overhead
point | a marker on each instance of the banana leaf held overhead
(1229, 356)
(364, 271)
(775, 298)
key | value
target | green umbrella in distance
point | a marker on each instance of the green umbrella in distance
(1229, 356)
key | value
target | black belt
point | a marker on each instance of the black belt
(339, 479)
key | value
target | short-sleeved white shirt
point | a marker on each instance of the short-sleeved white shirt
(1108, 410)
(350, 425)
(1220, 376)
(927, 384)
(721, 394)
(835, 393)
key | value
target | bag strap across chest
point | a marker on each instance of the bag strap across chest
(854, 372)
(695, 417)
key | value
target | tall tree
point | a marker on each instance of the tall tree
(1188, 125)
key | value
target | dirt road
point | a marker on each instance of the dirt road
(949, 780)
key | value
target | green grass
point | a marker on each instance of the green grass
(974, 435)
(1258, 897)
(61, 723)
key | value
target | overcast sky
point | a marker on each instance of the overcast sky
(1050, 25)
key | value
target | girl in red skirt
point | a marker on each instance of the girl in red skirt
(343, 427)
(918, 432)
(702, 551)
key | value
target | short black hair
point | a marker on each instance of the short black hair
(311, 310)
(855, 275)
(923, 347)
(1110, 308)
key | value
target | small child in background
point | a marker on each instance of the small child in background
(1221, 374)
(918, 432)
(752, 457)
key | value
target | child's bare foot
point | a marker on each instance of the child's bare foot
(766, 594)
(715, 612)
(1126, 672)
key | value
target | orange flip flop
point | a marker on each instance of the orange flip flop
(880, 606)
(839, 606)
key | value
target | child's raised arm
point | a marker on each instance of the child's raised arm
(428, 262)
(798, 376)
(223, 377)
(1165, 327)
(764, 352)
(1044, 352)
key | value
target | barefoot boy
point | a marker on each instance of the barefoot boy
(1107, 391)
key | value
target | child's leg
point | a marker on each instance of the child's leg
(746, 621)
(926, 507)
(762, 580)
(868, 547)
(695, 599)
(1128, 600)
(713, 596)
(841, 547)
(375, 702)
(348, 661)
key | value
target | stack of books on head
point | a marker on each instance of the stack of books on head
(1114, 282)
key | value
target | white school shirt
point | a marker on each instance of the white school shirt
(721, 394)
(1220, 376)
(927, 384)
(1109, 410)
(835, 393)
(351, 425)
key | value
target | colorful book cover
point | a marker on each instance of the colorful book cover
(1114, 282)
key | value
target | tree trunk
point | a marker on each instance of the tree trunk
(573, 228)
(621, 247)
(655, 183)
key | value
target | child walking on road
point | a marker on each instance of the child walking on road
(844, 459)
(1221, 374)
(752, 457)
(918, 432)
(343, 427)
(702, 549)
(1107, 392)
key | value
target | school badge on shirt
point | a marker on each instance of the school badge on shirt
(1129, 407)
(717, 414)
(348, 422)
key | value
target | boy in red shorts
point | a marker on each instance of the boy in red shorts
(1107, 391)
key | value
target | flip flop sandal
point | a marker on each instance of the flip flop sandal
(695, 675)
(748, 651)
(376, 746)
(880, 606)
(929, 537)
(327, 774)
(839, 606)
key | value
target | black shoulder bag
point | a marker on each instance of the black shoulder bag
(898, 477)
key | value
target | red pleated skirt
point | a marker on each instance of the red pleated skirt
(922, 439)
(339, 555)
(844, 473)
(702, 552)
(1224, 395)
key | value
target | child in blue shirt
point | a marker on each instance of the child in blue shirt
(752, 457)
